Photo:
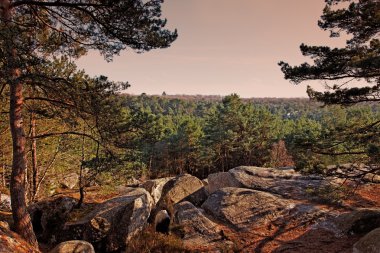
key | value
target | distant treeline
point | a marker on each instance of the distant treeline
(204, 134)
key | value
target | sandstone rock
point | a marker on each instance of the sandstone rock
(111, 224)
(12, 243)
(198, 228)
(220, 180)
(370, 243)
(181, 188)
(48, 217)
(242, 208)
(360, 221)
(287, 183)
(70, 181)
(154, 187)
(5, 202)
(73, 247)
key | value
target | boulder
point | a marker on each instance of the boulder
(155, 186)
(181, 188)
(111, 224)
(73, 247)
(370, 243)
(48, 217)
(11, 242)
(358, 222)
(243, 208)
(70, 181)
(196, 228)
(287, 183)
(220, 180)
(5, 202)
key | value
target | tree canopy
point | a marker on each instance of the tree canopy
(358, 60)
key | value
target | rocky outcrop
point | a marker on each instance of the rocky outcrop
(370, 243)
(181, 188)
(111, 225)
(48, 217)
(73, 247)
(284, 182)
(241, 208)
(196, 228)
(70, 181)
(12, 243)
(155, 186)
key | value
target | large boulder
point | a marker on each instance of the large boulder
(196, 228)
(74, 246)
(285, 182)
(112, 224)
(220, 180)
(155, 186)
(243, 208)
(5, 202)
(12, 243)
(370, 243)
(70, 181)
(182, 188)
(48, 217)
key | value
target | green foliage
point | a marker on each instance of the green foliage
(360, 59)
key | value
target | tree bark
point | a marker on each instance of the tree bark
(21, 218)
(34, 156)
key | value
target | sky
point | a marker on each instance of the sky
(223, 47)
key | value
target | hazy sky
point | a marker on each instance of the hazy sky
(224, 47)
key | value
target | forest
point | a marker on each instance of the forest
(157, 136)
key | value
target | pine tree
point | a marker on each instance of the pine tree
(31, 31)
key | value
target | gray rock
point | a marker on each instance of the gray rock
(287, 183)
(5, 202)
(360, 221)
(243, 208)
(113, 223)
(182, 188)
(370, 243)
(70, 181)
(73, 247)
(196, 228)
(220, 180)
(155, 186)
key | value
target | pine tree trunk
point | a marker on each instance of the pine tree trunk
(34, 157)
(21, 218)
